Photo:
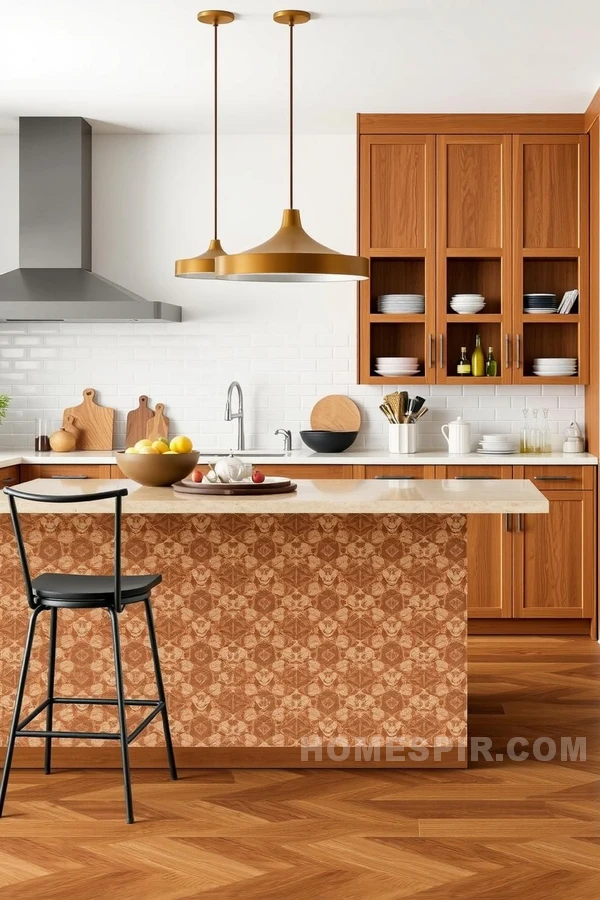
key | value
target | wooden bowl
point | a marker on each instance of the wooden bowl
(156, 470)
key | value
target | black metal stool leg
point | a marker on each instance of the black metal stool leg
(161, 689)
(18, 704)
(122, 720)
(50, 695)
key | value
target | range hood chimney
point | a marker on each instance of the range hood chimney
(54, 281)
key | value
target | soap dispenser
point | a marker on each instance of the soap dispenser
(573, 439)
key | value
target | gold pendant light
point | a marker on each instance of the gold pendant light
(291, 254)
(203, 266)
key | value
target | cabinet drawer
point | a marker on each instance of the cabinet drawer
(561, 478)
(9, 476)
(399, 471)
(29, 472)
(473, 473)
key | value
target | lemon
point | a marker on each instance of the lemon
(160, 446)
(148, 450)
(163, 440)
(170, 453)
(181, 444)
(131, 450)
(143, 443)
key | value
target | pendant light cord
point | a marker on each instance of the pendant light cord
(215, 123)
(291, 115)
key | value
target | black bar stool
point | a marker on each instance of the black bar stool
(113, 593)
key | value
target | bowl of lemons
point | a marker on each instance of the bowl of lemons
(158, 463)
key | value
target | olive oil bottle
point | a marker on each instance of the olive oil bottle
(491, 366)
(477, 359)
(464, 366)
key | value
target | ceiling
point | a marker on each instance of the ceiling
(146, 65)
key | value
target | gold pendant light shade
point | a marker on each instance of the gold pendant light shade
(291, 255)
(203, 266)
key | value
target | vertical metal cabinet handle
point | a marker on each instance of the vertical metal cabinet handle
(507, 351)
(441, 351)
(507, 521)
(519, 522)
(431, 341)
(518, 343)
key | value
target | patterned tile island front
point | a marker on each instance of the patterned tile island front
(326, 638)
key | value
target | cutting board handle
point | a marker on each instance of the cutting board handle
(88, 395)
(143, 400)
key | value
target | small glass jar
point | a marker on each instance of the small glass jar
(42, 437)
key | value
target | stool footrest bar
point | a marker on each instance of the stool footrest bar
(157, 709)
(39, 708)
(89, 735)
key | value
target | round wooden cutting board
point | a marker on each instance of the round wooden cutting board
(335, 413)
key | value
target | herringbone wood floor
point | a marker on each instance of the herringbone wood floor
(496, 831)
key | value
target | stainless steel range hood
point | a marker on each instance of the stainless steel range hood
(54, 281)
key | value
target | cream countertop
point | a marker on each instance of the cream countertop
(339, 497)
(350, 458)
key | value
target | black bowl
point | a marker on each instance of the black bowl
(328, 441)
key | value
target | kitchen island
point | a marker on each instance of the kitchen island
(326, 627)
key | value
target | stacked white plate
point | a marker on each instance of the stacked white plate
(498, 444)
(408, 304)
(467, 304)
(396, 365)
(555, 366)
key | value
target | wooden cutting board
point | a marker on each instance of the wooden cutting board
(335, 413)
(158, 425)
(95, 423)
(137, 421)
(69, 425)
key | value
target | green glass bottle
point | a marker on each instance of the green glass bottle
(477, 359)
(491, 366)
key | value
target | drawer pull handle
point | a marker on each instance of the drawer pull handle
(553, 478)
(519, 522)
(475, 477)
(69, 476)
(393, 477)
(507, 521)
(8, 479)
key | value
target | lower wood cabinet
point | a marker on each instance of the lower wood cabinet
(554, 559)
(533, 566)
(66, 470)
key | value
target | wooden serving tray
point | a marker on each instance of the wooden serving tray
(235, 489)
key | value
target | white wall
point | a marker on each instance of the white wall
(286, 344)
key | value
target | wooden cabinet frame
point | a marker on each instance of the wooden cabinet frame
(516, 338)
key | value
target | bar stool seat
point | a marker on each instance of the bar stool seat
(50, 592)
(77, 591)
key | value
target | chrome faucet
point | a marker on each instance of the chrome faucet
(287, 439)
(239, 415)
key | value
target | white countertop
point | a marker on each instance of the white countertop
(338, 497)
(349, 457)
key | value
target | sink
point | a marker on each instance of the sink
(243, 453)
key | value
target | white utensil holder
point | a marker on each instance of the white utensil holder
(403, 438)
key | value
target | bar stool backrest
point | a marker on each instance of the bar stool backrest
(117, 495)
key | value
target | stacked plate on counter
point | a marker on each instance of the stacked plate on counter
(540, 304)
(467, 304)
(498, 444)
(407, 304)
(557, 366)
(396, 365)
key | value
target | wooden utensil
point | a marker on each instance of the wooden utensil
(95, 423)
(137, 421)
(69, 425)
(157, 426)
(335, 413)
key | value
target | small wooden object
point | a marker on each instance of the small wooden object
(158, 425)
(94, 422)
(69, 425)
(335, 413)
(62, 441)
(137, 421)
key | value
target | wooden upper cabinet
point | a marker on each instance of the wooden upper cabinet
(549, 172)
(473, 191)
(397, 192)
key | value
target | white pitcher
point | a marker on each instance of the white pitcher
(458, 436)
